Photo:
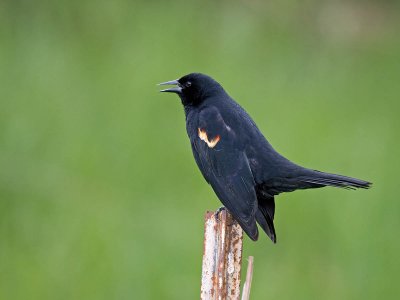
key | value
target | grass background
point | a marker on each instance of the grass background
(100, 197)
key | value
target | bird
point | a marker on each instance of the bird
(234, 157)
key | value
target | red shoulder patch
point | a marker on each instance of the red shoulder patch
(203, 136)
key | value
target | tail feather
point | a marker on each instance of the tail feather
(327, 179)
(265, 216)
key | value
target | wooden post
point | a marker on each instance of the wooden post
(222, 257)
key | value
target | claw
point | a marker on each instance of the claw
(216, 214)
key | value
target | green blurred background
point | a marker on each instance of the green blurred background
(100, 197)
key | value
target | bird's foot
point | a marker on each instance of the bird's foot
(216, 214)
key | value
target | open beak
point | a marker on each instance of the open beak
(176, 89)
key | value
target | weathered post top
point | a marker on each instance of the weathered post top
(222, 257)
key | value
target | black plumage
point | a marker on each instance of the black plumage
(238, 162)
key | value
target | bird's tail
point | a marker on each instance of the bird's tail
(320, 179)
(265, 215)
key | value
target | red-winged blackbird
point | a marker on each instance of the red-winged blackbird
(234, 157)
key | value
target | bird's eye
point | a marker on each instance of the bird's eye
(188, 84)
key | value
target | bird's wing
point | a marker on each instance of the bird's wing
(226, 168)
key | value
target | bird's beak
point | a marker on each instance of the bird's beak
(176, 89)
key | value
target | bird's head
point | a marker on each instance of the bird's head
(194, 88)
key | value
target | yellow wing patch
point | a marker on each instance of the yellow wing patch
(203, 136)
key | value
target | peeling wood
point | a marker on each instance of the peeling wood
(222, 257)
